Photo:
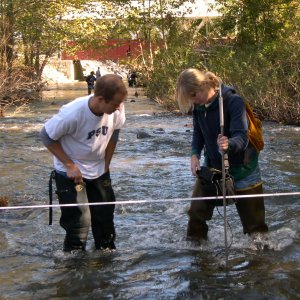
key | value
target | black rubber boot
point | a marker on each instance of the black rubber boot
(197, 230)
(107, 242)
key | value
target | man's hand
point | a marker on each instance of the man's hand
(223, 143)
(74, 173)
(195, 164)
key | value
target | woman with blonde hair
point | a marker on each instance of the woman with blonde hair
(199, 91)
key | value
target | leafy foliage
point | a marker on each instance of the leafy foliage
(263, 58)
(39, 29)
(254, 45)
(256, 21)
(168, 63)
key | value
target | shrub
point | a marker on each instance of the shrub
(269, 78)
(17, 89)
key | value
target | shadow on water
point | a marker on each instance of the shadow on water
(153, 260)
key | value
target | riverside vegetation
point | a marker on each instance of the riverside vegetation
(253, 45)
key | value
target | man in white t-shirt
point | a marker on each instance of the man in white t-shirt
(82, 136)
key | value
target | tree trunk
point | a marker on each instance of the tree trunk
(7, 32)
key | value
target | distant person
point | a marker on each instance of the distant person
(98, 73)
(90, 80)
(82, 136)
(132, 79)
(128, 52)
(199, 91)
(128, 76)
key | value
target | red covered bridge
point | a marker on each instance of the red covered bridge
(113, 50)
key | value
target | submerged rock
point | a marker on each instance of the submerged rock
(143, 135)
(159, 131)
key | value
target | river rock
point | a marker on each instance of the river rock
(143, 135)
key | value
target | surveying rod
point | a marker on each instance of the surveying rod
(223, 172)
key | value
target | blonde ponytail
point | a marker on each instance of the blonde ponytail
(213, 79)
(192, 81)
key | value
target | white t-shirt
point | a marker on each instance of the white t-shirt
(83, 135)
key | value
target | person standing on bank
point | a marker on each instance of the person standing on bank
(200, 91)
(98, 73)
(90, 80)
(82, 136)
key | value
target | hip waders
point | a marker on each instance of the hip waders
(77, 220)
(251, 211)
(102, 216)
(200, 211)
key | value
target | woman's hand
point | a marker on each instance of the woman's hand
(223, 143)
(195, 164)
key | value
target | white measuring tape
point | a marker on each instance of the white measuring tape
(149, 201)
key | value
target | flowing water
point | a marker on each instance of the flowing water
(153, 260)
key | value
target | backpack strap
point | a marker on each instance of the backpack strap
(255, 135)
(226, 97)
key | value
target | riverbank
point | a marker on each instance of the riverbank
(136, 103)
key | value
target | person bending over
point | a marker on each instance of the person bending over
(82, 136)
(199, 91)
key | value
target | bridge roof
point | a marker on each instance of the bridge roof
(96, 10)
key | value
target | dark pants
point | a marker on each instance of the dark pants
(77, 220)
(131, 82)
(250, 210)
(90, 89)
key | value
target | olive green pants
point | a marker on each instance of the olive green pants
(251, 211)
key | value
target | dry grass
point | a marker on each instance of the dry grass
(17, 90)
(3, 201)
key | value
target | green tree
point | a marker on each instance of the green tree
(262, 57)
(256, 21)
(150, 23)
(35, 30)
(32, 31)
(7, 34)
(43, 30)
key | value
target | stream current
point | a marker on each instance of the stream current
(153, 260)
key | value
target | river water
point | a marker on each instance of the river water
(153, 260)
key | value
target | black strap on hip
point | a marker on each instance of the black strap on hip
(52, 176)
